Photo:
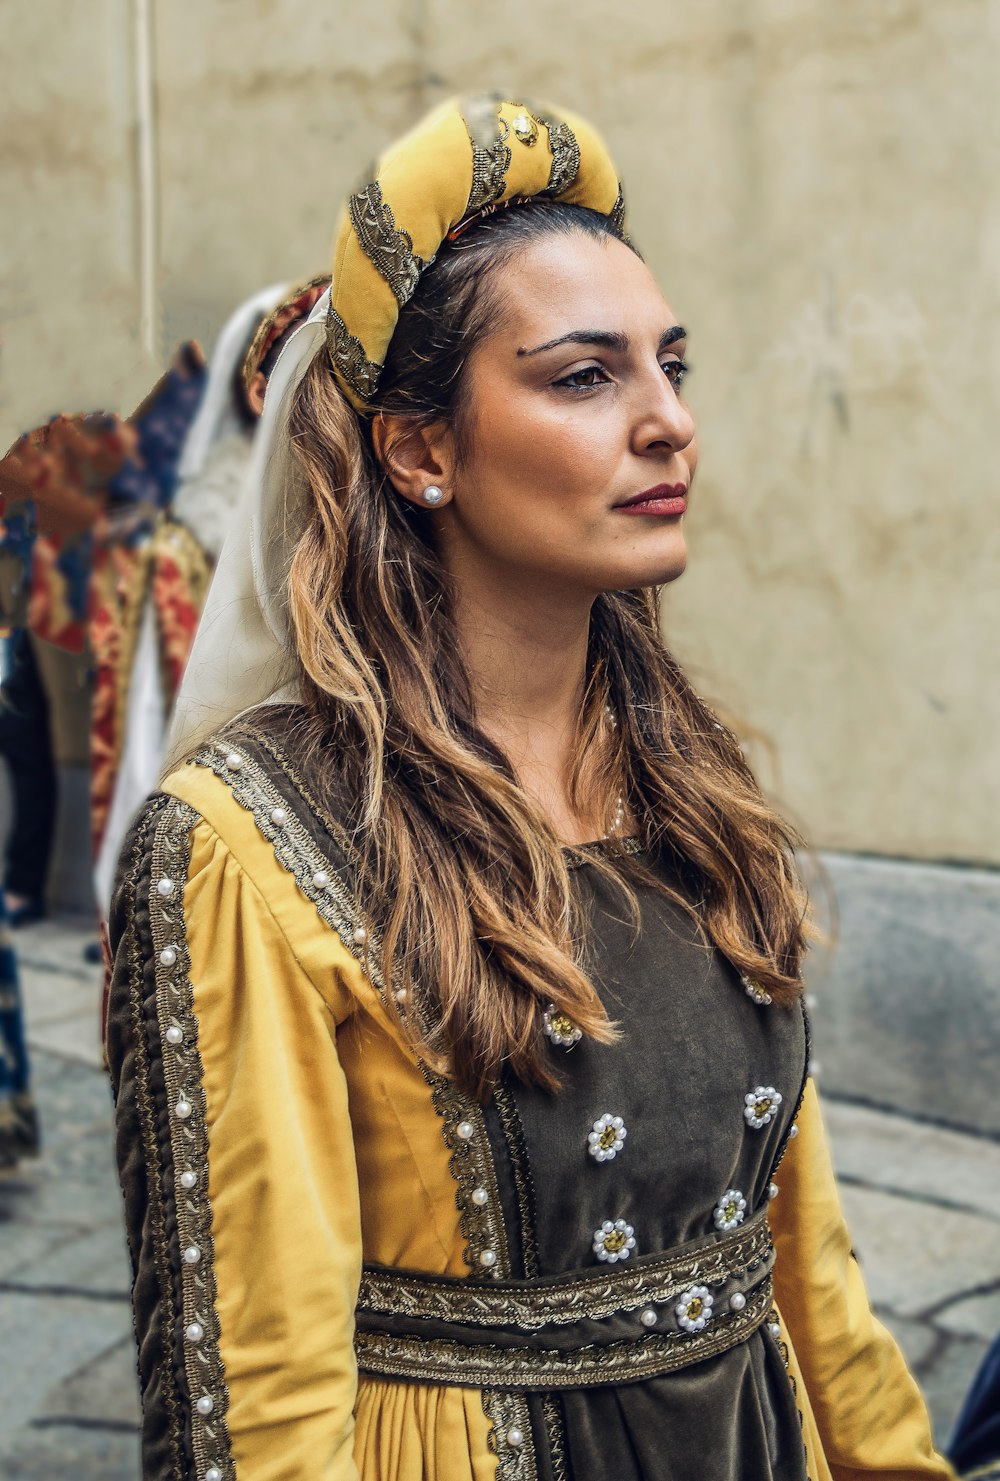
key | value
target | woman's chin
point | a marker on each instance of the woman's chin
(657, 571)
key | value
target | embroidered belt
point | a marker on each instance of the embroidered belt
(653, 1315)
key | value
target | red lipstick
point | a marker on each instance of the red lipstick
(663, 498)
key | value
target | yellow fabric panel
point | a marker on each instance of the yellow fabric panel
(409, 1214)
(421, 1432)
(282, 1182)
(324, 1148)
(868, 1410)
(318, 950)
(397, 1133)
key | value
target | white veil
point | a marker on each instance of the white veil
(216, 417)
(242, 654)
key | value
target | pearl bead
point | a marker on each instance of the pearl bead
(189, 1179)
(479, 1196)
(279, 817)
(360, 935)
(194, 1332)
(648, 1317)
(773, 1190)
(465, 1130)
(213, 1474)
(168, 956)
(165, 888)
(774, 1329)
(174, 1035)
(192, 1255)
(182, 1109)
(515, 1437)
(737, 1301)
(793, 1131)
(400, 994)
(205, 1404)
(321, 879)
(488, 1258)
(234, 761)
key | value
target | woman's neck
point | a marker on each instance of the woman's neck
(527, 663)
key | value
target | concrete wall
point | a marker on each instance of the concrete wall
(812, 183)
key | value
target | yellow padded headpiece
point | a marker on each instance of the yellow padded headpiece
(464, 157)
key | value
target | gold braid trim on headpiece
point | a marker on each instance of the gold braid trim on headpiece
(296, 305)
(466, 159)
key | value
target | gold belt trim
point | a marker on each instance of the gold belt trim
(571, 1331)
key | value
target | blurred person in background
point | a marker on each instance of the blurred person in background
(20, 1131)
(975, 1445)
(185, 544)
(456, 1026)
(26, 747)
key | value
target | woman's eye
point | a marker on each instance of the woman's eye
(583, 380)
(676, 371)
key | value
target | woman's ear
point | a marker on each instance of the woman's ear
(418, 459)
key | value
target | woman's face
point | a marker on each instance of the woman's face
(573, 408)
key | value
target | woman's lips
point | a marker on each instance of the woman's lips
(665, 498)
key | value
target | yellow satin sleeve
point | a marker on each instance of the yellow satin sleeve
(283, 1184)
(857, 1397)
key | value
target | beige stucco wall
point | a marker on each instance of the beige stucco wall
(815, 188)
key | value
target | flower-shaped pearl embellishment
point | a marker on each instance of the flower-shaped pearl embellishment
(760, 1106)
(755, 991)
(614, 1241)
(730, 1210)
(607, 1138)
(694, 1309)
(560, 1028)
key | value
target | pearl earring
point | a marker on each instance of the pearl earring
(432, 494)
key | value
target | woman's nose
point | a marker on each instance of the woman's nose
(662, 417)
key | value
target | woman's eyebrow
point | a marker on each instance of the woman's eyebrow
(608, 339)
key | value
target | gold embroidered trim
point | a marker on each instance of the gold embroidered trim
(466, 1365)
(565, 157)
(774, 1320)
(509, 1414)
(387, 245)
(617, 212)
(186, 1111)
(348, 358)
(513, 1132)
(148, 1122)
(488, 133)
(471, 1162)
(471, 1165)
(807, 1055)
(578, 853)
(558, 1301)
(552, 1410)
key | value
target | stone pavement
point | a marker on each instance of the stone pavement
(923, 1202)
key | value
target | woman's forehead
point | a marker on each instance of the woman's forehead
(568, 282)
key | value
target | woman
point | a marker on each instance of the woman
(456, 1025)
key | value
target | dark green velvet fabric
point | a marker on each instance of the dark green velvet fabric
(693, 1045)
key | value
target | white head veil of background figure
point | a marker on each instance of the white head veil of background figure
(216, 417)
(216, 451)
(243, 654)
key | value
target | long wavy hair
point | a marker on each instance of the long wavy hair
(471, 889)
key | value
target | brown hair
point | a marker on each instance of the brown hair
(469, 884)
